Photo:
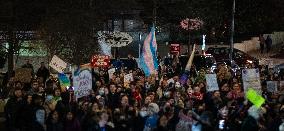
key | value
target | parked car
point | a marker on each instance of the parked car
(200, 61)
(241, 58)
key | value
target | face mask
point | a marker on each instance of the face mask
(167, 94)
(101, 92)
(177, 85)
(147, 85)
(143, 113)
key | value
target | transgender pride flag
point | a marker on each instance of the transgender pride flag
(148, 60)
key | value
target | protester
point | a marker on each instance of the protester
(12, 110)
(261, 43)
(268, 43)
(43, 72)
(53, 122)
(168, 101)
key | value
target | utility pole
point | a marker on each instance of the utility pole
(232, 32)
(155, 13)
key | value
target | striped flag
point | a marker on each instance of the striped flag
(148, 59)
(64, 81)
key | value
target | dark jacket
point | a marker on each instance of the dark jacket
(12, 112)
(131, 64)
(26, 117)
(73, 125)
(51, 126)
(112, 100)
(250, 124)
(43, 72)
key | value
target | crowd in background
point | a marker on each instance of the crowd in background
(148, 104)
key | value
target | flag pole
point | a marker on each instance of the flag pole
(140, 42)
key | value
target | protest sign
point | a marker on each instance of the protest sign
(114, 38)
(64, 81)
(211, 81)
(175, 48)
(23, 75)
(57, 64)
(251, 79)
(271, 86)
(100, 61)
(82, 82)
(254, 97)
(127, 79)
(110, 73)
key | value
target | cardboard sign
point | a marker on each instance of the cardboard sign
(251, 79)
(271, 86)
(110, 73)
(175, 49)
(254, 97)
(57, 64)
(100, 61)
(23, 75)
(211, 81)
(127, 79)
(82, 82)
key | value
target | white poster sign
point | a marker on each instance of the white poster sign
(114, 39)
(251, 79)
(82, 83)
(57, 64)
(110, 72)
(127, 79)
(211, 81)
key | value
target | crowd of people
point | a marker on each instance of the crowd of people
(155, 103)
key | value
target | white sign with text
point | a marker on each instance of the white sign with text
(57, 64)
(211, 81)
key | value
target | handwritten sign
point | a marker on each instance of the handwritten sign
(23, 74)
(254, 97)
(127, 79)
(211, 81)
(82, 83)
(100, 61)
(114, 39)
(57, 64)
(251, 79)
(271, 86)
(110, 73)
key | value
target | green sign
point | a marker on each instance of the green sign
(254, 97)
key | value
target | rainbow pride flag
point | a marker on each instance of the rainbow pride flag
(64, 81)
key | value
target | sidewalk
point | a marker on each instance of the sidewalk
(265, 58)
